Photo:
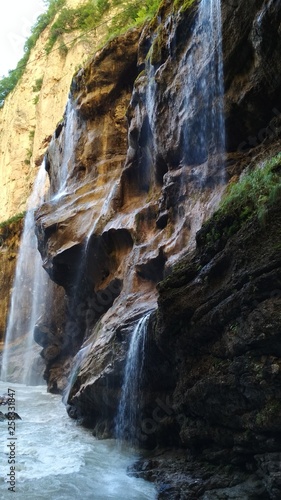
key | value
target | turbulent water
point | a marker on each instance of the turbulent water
(58, 460)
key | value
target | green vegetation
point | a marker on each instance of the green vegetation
(183, 4)
(253, 195)
(255, 191)
(10, 221)
(88, 17)
(159, 44)
(63, 49)
(28, 156)
(132, 14)
(84, 18)
(38, 85)
(7, 228)
(35, 100)
(13, 219)
(31, 135)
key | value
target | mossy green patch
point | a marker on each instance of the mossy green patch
(10, 226)
(11, 220)
(252, 196)
(183, 5)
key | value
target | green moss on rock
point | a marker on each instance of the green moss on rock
(183, 5)
(251, 196)
(10, 227)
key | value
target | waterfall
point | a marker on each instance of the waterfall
(28, 296)
(128, 410)
(204, 140)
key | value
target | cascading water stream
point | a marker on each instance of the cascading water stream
(204, 140)
(28, 295)
(68, 147)
(128, 410)
(65, 142)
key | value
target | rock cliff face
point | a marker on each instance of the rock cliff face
(31, 113)
(9, 245)
(125, 205)
(124, 213)
(217, 328)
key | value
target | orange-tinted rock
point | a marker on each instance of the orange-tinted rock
(9, 244)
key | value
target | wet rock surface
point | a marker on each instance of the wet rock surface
(133, 205)
(180, 475)
(218, 325)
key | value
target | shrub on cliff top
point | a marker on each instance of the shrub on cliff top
(83, 18)
(88, 16)
(132, 14)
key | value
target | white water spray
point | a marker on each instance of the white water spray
(128, 411)
(28, 296)
(58, 460)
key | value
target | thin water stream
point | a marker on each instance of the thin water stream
(127, 416)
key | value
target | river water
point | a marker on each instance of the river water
(58, 460)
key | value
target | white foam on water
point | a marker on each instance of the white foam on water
(57, 459)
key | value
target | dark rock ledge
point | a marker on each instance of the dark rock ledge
(218, 326)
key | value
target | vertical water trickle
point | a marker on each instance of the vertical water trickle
(204, 140)
(150, 138)
(61, 149)
(77, 361)
(128, 410)
(28, 295)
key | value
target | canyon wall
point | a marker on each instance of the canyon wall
(127, 203)
(130, 211)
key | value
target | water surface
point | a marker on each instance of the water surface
(58, 460)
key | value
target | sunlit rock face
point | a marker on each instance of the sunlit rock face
(127, 196)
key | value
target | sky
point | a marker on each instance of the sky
(17, 17)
